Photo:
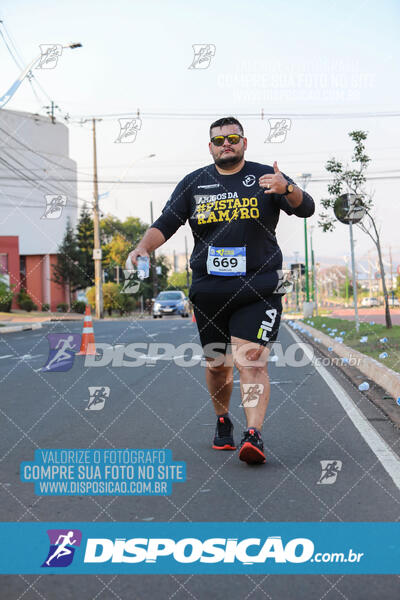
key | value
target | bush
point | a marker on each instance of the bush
(111, 297)
(6, 297)
(126, 304)
(45, 307)
(25, 301)
(62, 307)
(78, 306)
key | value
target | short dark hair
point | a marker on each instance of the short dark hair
(226, 121)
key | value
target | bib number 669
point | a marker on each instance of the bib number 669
(225, 262)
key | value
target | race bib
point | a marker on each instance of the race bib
(226, 261)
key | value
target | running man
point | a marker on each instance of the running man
(233, 208)
(62, 353)
(62, 550)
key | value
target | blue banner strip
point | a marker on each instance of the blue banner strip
(213, 548)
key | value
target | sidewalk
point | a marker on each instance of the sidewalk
(21, 318)
(367, 314)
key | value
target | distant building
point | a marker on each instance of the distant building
(38, 193)
(176, 262)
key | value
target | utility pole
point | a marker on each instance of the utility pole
(313, 273)
(97, 255)
(353, 267)
(50, 111)
(314, 282)
(153, 259)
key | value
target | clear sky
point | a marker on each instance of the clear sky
(296, 58)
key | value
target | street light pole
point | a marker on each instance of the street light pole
(11, 91)
(313, 273)
(305, 177)
(98, 275)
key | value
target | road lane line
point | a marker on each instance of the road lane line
(388, 459)
(6, 356)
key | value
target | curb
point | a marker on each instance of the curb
(375, 371)
(15, 328)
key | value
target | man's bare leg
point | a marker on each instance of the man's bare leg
(251, 362)
(220, 383)
(219, 378)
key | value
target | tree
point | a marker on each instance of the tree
(85, 242)
(348, 180)
(120, 238)
(132, 229)
(116, 252)
(113, 298)
(67, 270)
(178, 281)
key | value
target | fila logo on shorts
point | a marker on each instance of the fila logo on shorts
(266, 326)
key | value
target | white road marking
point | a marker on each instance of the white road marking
(6, 356)
(388, 459)
(271, 382)
(28, 356)
(162, 357)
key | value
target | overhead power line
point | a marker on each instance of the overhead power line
(263, 115)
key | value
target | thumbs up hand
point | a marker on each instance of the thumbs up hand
(276, 183)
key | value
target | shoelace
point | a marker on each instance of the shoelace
(223, 426)
(250, 433)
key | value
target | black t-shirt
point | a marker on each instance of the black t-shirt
(230, 211)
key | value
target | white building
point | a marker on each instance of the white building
(38, 193)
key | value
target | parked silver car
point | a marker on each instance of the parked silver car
(171, 303)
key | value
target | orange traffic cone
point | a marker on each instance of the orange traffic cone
(88, 345)
(193, 319)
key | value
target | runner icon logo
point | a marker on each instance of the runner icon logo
(203, 54)
(128, 130)
(266, 326)
(54, 206)
(131, 283)
(63, 543)
(63, 347)
(98, 396)
(50, 54)
(251, 394)
(330, 470)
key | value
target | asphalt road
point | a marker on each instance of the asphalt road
(163, 405)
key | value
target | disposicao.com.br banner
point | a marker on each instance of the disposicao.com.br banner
(212, 548)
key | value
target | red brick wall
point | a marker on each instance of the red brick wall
(35, 273)
(9, 245)
(57, 292)
(34, 278)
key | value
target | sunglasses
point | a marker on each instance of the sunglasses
(233, 138)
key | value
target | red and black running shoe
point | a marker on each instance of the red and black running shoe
(223, 439)
(252, 447)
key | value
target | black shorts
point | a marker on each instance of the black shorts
(249, 315)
